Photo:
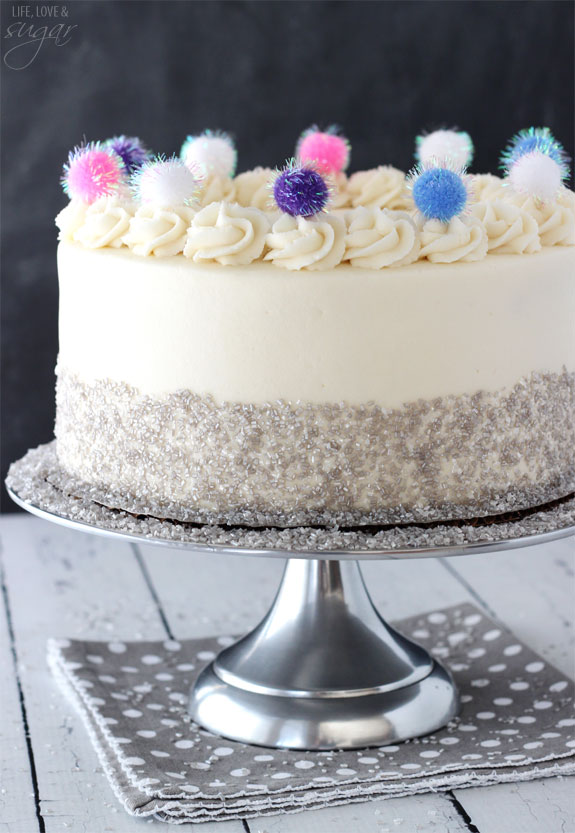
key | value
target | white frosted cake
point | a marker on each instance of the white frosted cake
(236, 363)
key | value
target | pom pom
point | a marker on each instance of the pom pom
(214, 152)
(92, 171)
(534, 139)
(329, 151)
(166, 182)
(537, 175)
(439, 193)
(442, 145)
(300, 190)
(130, 150)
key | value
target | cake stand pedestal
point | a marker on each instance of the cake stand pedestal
(322, 670)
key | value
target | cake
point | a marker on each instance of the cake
(230, 352)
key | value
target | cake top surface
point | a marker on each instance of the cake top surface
(310, 214)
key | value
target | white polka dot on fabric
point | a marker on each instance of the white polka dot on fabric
(490, 743)
(421, 633)
(534, 744)
(106, 678)
(134, 761)
(147, 782)
(466, 698)
(346, 771)
(206, 655)
(130, 669)
(534, 667)
(519, 685)
(179, 697)
(154, 707)
(164, 677)
(471, 756)
(223, 751)
(473, 619)
(480, 683)
(123, 740)
(430, 753)
(185, 666)
(151, 659)
(240, 773)
(485, 715)
(184, 744)
(167, 721)
(190, 788)
(175, 775)
(509, 731)
(514, 757)
(567, 721)
(172, 645)
(502, 701)
(94, 658)
(159, 753)
(512, 650)
(550, 735)
(458, 666)
(264, 758)
(132, 713)
(144, 688)
(304, 764)
(489, 636)
(437, 618)
(117, 647)
(495, 669)
(410, 766)
(146, 733)
(456, 638)
(540, 705)
(224, 641)
(570, 744)
(281, 776)
(560, 686)
(467, 727)
(388, 748)
(450, 741)
(110, 721)
(364, 759)
(526, 718)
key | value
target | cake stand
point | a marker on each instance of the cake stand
(322, 670)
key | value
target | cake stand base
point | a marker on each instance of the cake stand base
(323, 670)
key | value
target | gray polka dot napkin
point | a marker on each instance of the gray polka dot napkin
(516, 723)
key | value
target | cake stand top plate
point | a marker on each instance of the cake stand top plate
(29, 488)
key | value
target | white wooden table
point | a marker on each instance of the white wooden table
(58, 582)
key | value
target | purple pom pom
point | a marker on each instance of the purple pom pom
(130, 150)
(300, 191)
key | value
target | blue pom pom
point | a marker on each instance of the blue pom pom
(130, 150)
(300, 191)
(439, 193)
(534, 139)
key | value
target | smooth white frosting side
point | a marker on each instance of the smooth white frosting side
(461, 239)
(376, 238)
(227, 233)
(159, 231)
(510, 229)
(382, 187)
(257, 333)
(297, 243)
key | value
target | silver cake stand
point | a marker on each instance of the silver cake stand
(322, 670)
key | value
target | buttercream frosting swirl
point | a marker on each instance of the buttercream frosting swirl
(555, 218)
(463, 238)
(217, 188)
(486, 187)
(159, 231)
(377, 237)
(340, 197)
(70, 219)
(106, 221)
(228, 233)
(300, 243)
(510, 229)
(252, 188)
(382, 187)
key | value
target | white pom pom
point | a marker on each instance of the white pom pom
(215, 153)
(442, 145)
(167, 183)
(536, 174)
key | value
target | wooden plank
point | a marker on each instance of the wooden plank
(531, 590)
(17, 800)
(69, 584)
(545, 806)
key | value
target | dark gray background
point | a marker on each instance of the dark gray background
(263, 71)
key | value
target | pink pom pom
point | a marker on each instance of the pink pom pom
(92, 171)
(328, 151)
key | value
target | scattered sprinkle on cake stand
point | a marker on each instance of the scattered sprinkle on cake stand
(322, 670)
